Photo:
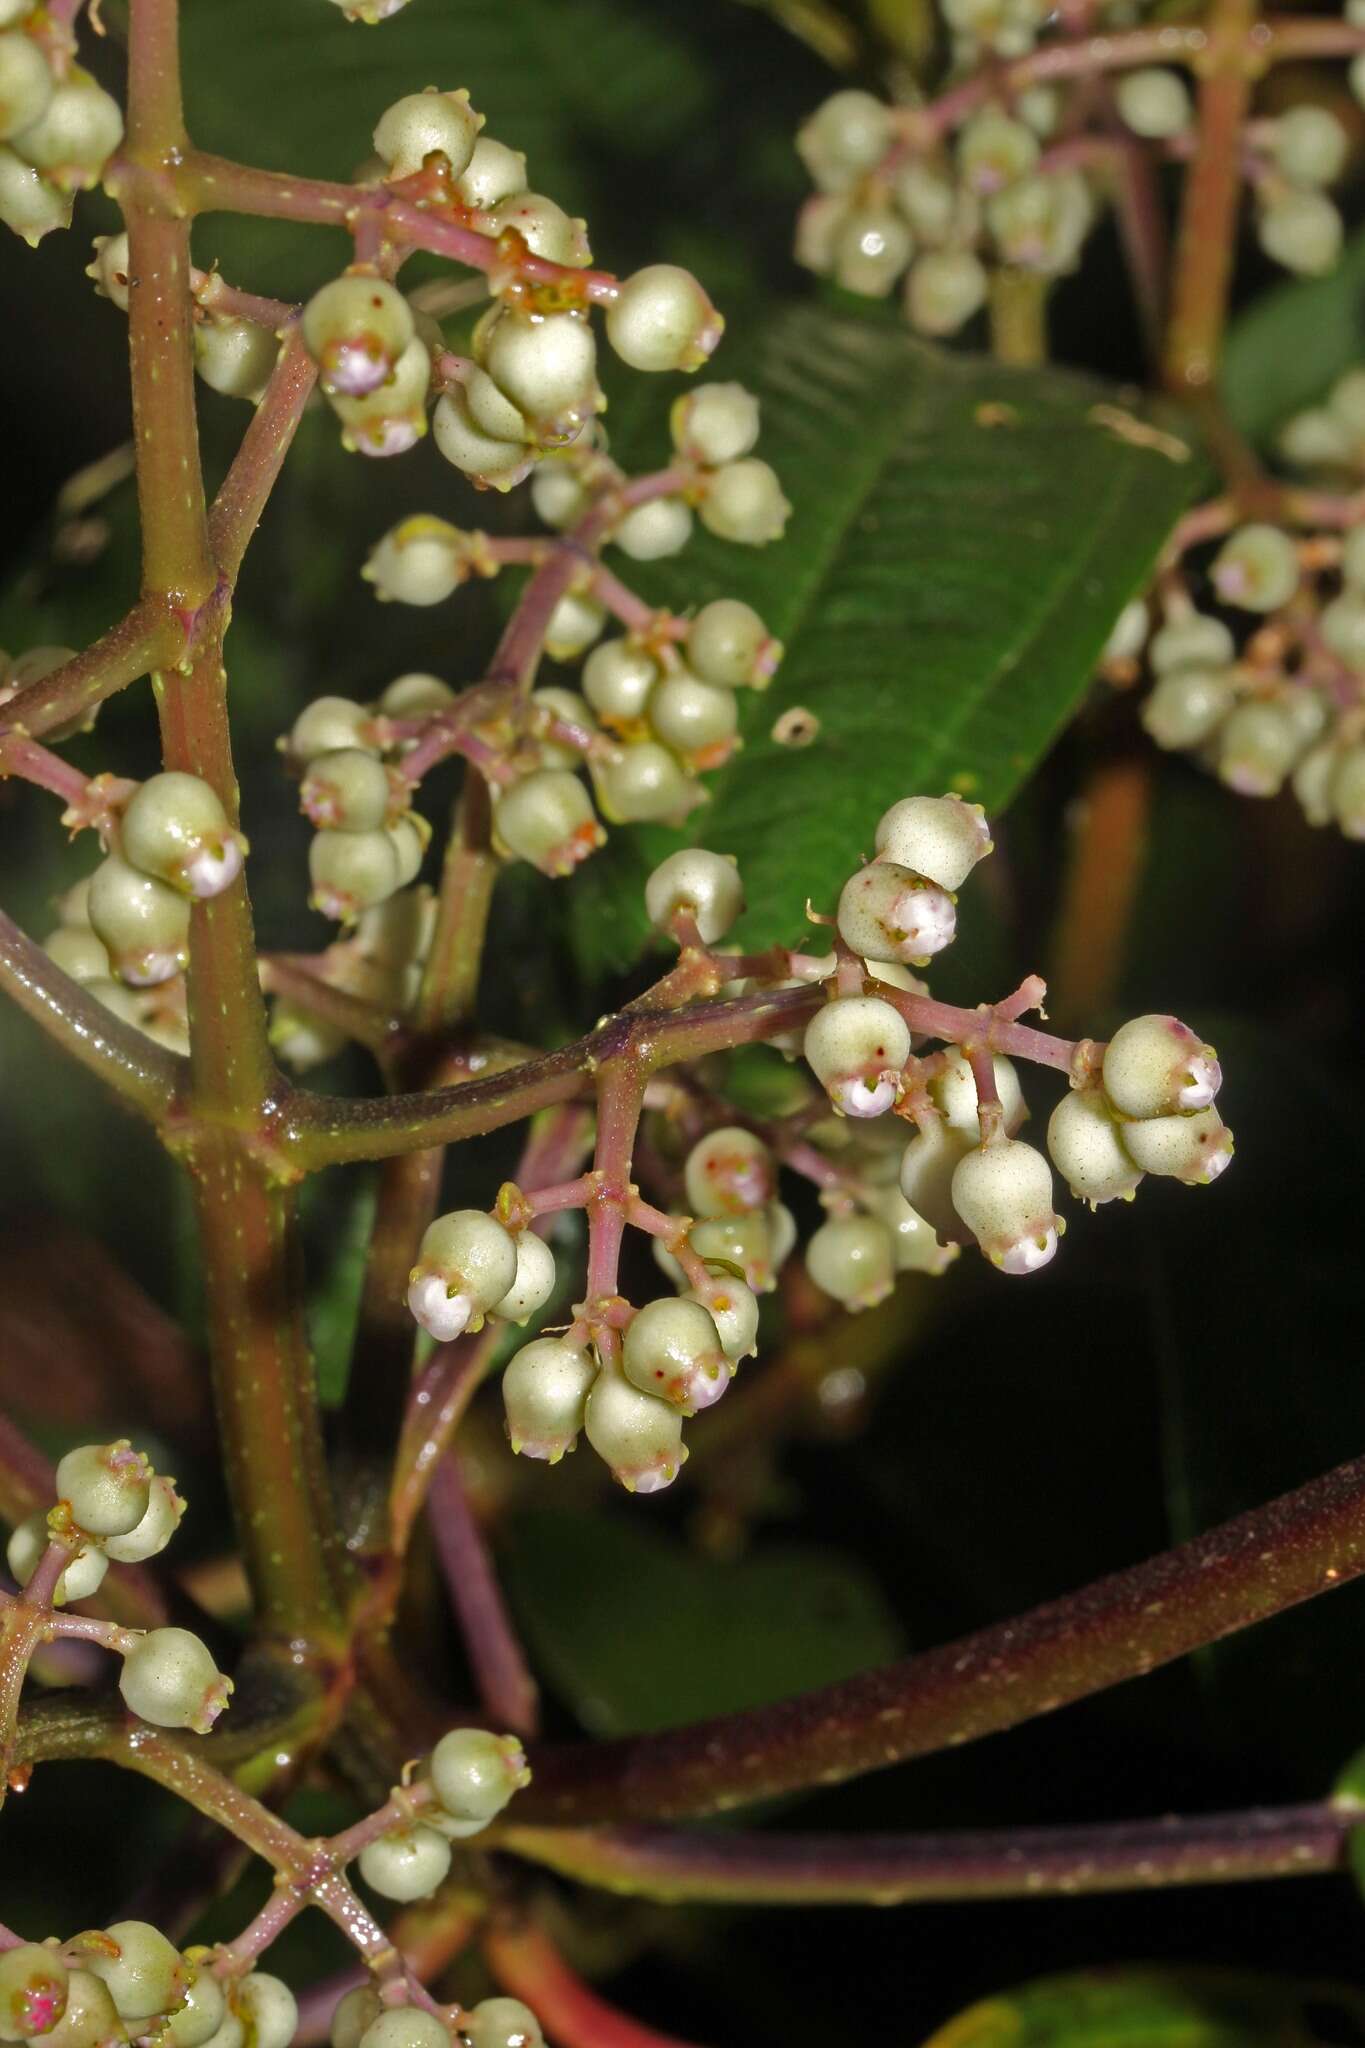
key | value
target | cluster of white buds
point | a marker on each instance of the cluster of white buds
(468, 1780)
(1288, 706)
(531, 380)
(127, 1982)
(965, 1174)
(112, 1505)
(159, 1009)
(659, 705)
(170, 844)
(472, 1265)
(938, 193)
(895, 199)
(58, 127)
(369, 842)
(362, 2020)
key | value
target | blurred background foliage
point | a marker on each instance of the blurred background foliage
(975, 1447)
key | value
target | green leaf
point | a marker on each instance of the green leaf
(292, 85)
(1292, 343)
(636, 1631)
(1154, 2008)
(963, 538)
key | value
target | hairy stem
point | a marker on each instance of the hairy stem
(1121, 1627)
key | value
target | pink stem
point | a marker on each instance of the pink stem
(621, 601)
(506, 1687)
(40, 766)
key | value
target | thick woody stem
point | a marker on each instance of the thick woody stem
(1121, 1627)
(678, 1866)
(1208, 217)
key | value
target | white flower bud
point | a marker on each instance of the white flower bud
(106, 1486)
(1303, 231)
(744, 503)
(1195, 1149)
(547, 366)
(943, 289)
(325, 725)
(351, 871)
(493, 172)
(848, 134)
(617, 681)
(544, 1391)
(466, 1264)
(170, 1679)
(392, 419)
(1086, 1148)
(353, 2014)
(955, 1096)
(406, 1865)
(729, 645)
(235, 357)
(91, 2017)
(149, 1537)
(993, 150)
(535, 1281)
(926, 1177)
(502, 2023)
(653, 532)
(419, 561)
(1196, 640)
(857, 1047)
(29, 204)
(269, 2008)
(347, 790)
(888, 913)
(478, 455)
(940, 837)
(82, 1577)
(544, 227)
(1348, 792)
(1187, 706)
(78, 131)
(914, 1243)
(146, 1976)
(547, 818)
(558, 494)
(1312, 782)
(871, 249)
(573, 625)
(1310, 145)
(715, 424)
(672, 1350)
(1257, 568)
(204, 2012)
(176, 829)
(143, 923)
(694, 718)
(1156, 1066)
(644, 784)
(26, 84)
(733, 1307)
(424, 124)
(1257, 746)
(356, 329)
(404, 2026)
(638, 1437)
(78, 953)
(1003, 1193)
(474, 1774)
(706, 885)
(729, 1172)
(853, 1259)
(1154, 102)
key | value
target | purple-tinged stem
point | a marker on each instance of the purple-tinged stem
(678, 1866)
(152, 635)
(506, 1688)
(236, 511)
(44, 769)
(1120, 1627)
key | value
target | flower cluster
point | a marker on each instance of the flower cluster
(1287, 705)
(58, 127)
(112, 1505)
(127, 1982)
(659, 704)
(362, 2020)
(627, 1378)
(1004, 166)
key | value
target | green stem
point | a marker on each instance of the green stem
(152, 634)
(1121, 1627)
(1018, 316)
(124, 1058)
